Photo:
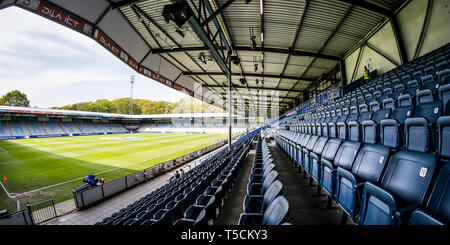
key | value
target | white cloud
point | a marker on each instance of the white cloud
(55, 65)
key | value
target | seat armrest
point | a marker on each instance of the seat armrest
(403, 214)
(381, 194)
(252, 203)
(252, 187)
(250, 219)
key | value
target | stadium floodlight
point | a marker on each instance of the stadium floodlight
(131, 96)
(253, 39)
(178, 12)
(235, 60)
(202, 58)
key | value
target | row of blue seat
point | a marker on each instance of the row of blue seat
(373, 181)
(427, 109)
(191, 199)
(263, 204)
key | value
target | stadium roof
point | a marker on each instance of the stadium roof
(295, 41)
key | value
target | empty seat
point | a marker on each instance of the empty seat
(276, 214)
(444, 76)
(412, 87)
(260, 188)
(329, 152)
(306, 150)
(442, 66)
(427, 107)
(400, 113)
(437, 211)
(443, 143)
(399, 89)
(429, 82)
(259, 203)
(402, 189)
(364, 113)
(344, 158)
(369, 166)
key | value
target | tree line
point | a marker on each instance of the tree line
(142, 106)
(122, 105)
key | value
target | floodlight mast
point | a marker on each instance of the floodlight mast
(131, 96)
(229, 104)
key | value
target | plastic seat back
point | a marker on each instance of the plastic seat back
(444, 96)
(427, 107)
(277, 212)
(271, 193)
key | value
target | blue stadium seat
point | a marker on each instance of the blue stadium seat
(368, 166)
(444, 76)
(378, 113)
(427, 107)
(329, 152)
(305, 152)
(429, 82)
(276, 214)
(344, 158)
(260, 188)
(437, 210)
(412, 87)
(364, 113)
(444, 96)
(259, 203)
(403, 187)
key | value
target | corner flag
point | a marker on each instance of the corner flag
(4, 179)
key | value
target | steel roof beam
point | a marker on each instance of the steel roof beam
(125, 3)
(249, 75)
(370, 6)
(251, 87)
(295, 39)
(292, 52)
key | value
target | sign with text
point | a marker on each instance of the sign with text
(57, 14)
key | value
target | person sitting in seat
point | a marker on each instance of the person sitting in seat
(177, 174)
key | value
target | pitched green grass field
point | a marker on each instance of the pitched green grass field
(31, 164)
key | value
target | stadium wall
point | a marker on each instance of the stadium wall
(411, 17)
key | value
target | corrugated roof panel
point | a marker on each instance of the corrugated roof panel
(281, 20)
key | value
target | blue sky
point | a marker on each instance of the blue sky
(56, 66)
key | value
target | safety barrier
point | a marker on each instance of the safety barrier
(42, 211)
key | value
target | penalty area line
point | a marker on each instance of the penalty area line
(6, 191)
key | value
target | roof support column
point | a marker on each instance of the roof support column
(229, 106)
(343, 72)
(399, 40)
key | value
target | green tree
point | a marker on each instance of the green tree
(122, 106)
(105, 106)
(15, 98)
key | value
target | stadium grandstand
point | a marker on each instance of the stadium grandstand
(338, 112)
(24, 122)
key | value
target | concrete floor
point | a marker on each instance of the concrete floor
(232, 208)
(306, 207)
